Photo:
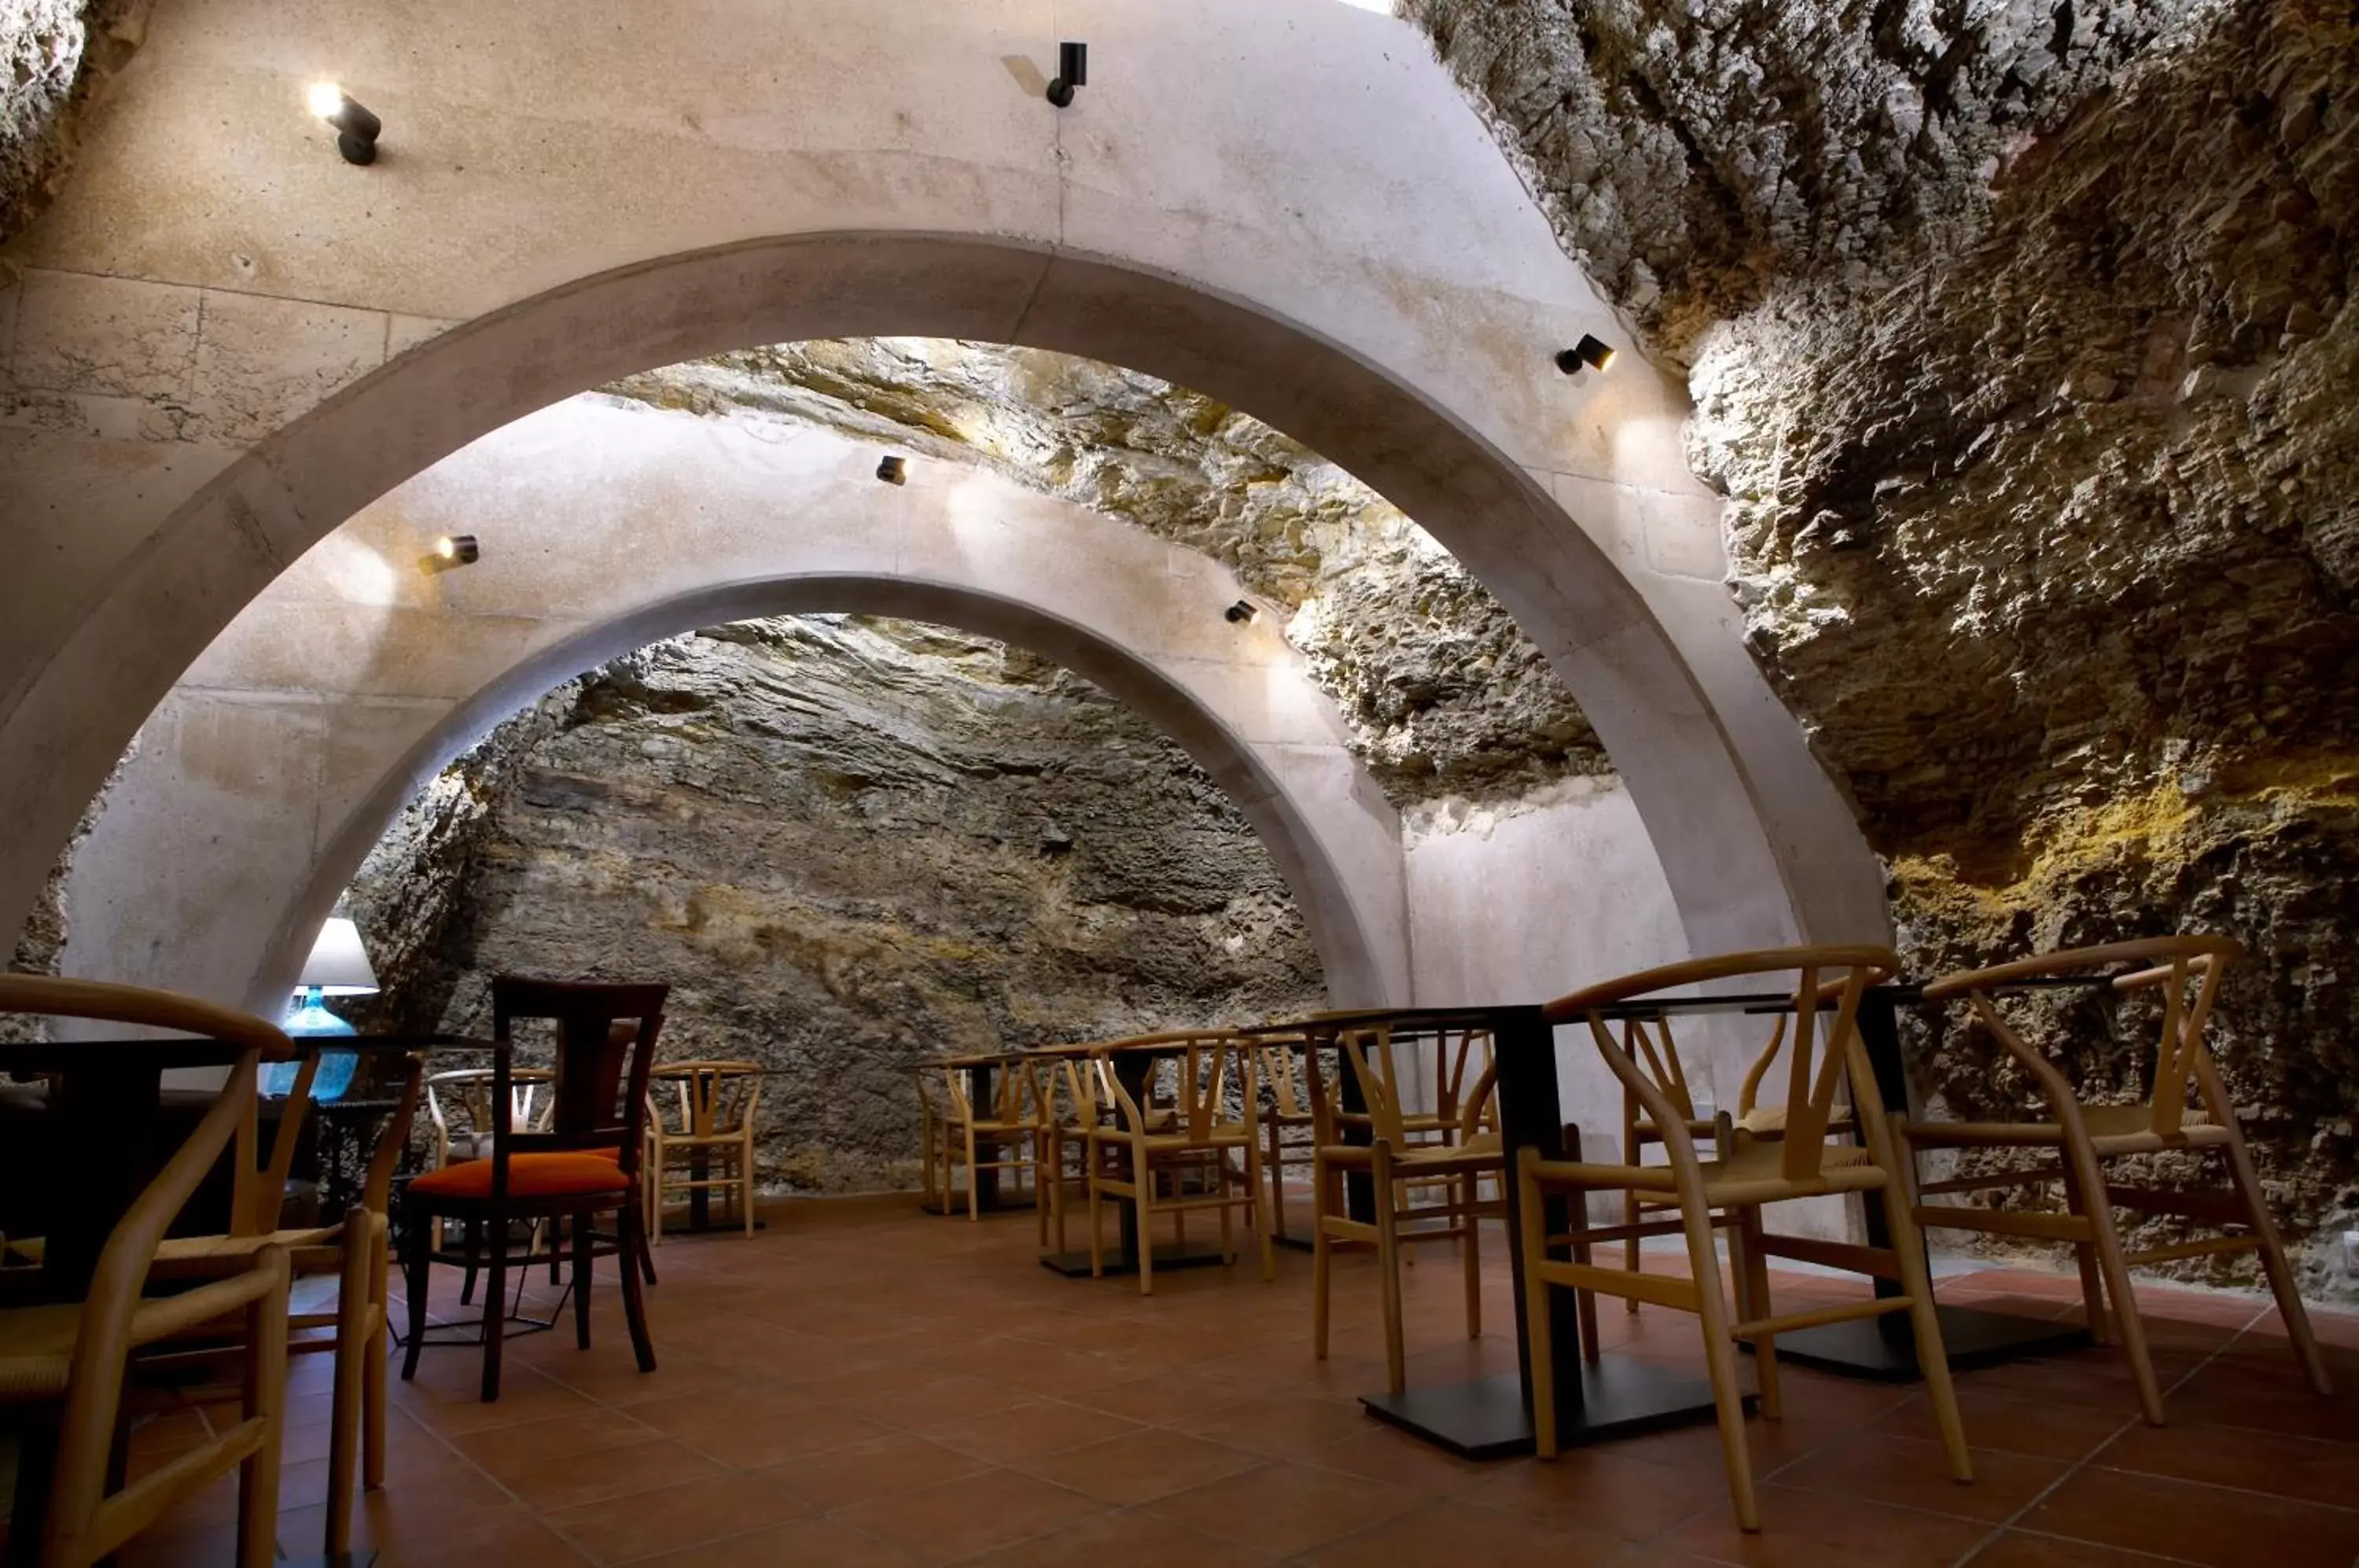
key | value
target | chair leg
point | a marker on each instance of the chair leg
(2093, 1279)
(2273, 1263)
(1531, 1240)
(746, 1180)
(1471, 1246)
(1752, 1270)
(1388, 1264)
(474, 1259)
(1221, 1186)
(1097, 1215)
(652, 1199)
(1720, 1358)
(416, 1260)
(373, 1359)
(1261, 1222)
(1142, 1182)
(635, 1306)
(2116, 1271)
(354, 1308)
(1633, 1153)
(1274, 1161)
(265, 1396)
(1321, 1252)
(495, 1307)
(974, 1187)
(1925, 1317)
(1584, 1302)
(582, 1230)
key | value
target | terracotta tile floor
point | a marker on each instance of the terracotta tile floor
(867, 1385)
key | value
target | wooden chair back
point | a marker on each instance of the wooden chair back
(605, 1051)
(467, 1091)
(1286, 1067)
(1454, 1052)
(1019, 1092)
(81, 1509)
(1204, 1073)
(1831, 980)
(714, 1099)
(1370, 1054)
(2188, 969)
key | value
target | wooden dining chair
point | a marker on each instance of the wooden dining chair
(73, 1359)
(1214, 1111)
(1403, 1175)
(1073, 1107)
(354, 1251)
(701, 1110)
(1013, 1127)
(1286, 1064)
(2186, 971)
(587, 1164)
(1650, 1043)
(1745, 1171)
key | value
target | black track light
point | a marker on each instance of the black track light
(1073, 70)
(1592, 352)
(893, 470)
(1240, 612)
(356, 128)
(457, 549)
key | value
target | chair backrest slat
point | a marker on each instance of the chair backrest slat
(605, 1052)
(2172, 962)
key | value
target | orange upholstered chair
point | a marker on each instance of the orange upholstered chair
(586, 1165)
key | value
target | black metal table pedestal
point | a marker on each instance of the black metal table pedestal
(1486, 1419)
(1884, 1349)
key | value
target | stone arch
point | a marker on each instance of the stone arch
(1341, 251)
(361, 672)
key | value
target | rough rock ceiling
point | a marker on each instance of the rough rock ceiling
(49, 50)
(1698, 154)
(1443, 693)
(2020, 339)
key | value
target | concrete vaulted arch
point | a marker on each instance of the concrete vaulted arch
(1339, 252)
(273, 767)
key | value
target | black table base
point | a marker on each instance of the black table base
(1883, 1349)
(1619, 1397)
(1168, 1255)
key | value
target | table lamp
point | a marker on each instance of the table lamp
(337, 967)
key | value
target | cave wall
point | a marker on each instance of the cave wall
(849, 845)
(2021, 342)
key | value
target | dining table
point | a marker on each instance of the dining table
(1600, 1396)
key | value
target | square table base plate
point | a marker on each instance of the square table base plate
(1486, 1419)
(1869, 1349)
(1168, 1255)
(359, 1557)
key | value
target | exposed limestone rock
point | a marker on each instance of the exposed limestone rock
(2032, 404)
(49, 51)
(1443, 692)
(850, 846)
(43, 939)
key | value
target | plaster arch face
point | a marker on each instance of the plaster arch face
(270, 771)
(1341, 251)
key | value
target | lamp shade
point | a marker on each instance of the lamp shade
(338, 967)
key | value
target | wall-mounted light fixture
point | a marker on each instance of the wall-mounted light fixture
(1073, 70)
(1240, 612)
(356, 128)
(1592, 352)
(457, 550)
(893, 470)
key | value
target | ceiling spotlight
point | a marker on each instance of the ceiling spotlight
(1591, 352)
(1240, 612)
(356, 128)
(457, 550)
(1073, 70)
(893, 470)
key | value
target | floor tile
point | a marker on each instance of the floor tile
(672, 1518)
(1284, 1507)
(835, 1478)
(2203, 1524)
(960, 1518)
(1445, 1533)
(1149, 1463)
